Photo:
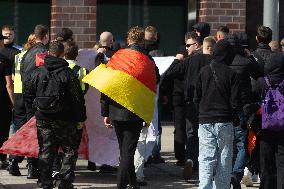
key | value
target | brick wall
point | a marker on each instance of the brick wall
(78, 15)
(223, 12)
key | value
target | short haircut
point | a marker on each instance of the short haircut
(264, 34)
(136, 34)
(56, 48)
(8, 27)
(209, 39)
(224, 29)
(192, 35)
(70, 50)
(66, 34)
(40, 31)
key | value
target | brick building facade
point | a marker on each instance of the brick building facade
(78, 15)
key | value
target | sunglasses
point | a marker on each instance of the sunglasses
(188, 45)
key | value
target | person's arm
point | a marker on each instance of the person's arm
(198, 92)
(236, 101)
(10, 87)
(29, 92)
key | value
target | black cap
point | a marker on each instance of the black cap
(3, 37)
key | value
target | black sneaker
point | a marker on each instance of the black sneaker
(158, 159)
(91, 166)
(13, 168)
(107, 169)
(64, 185)
(180, 163)
(235, 182)
(142, 183)
(33, 172)
(4, 164)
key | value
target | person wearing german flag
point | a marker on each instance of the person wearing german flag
(128, 86)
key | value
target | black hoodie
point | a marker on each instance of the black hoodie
(218, 105)
(74, 104)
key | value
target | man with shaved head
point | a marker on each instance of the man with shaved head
(106, 41)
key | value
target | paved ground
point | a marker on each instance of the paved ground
(159, 176)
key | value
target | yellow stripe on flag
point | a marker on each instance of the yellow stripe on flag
(124, 89)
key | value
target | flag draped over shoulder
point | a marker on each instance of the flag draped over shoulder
(129, 78)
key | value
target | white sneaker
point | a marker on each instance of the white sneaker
(247, 178)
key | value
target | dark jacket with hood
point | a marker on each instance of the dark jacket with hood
(218, 103)
(246, 67)
(203, 28)
(28, 63)
(115, 111)
(74, 104)
(10, 51)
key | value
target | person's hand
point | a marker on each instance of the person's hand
(107, 122)
(247, 52)
(101, 50)
(180, 56)
(81, 125)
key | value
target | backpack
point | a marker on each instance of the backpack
(273, 107)
(50, 92)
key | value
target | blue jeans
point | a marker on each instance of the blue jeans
(215, 155)
(241, 156)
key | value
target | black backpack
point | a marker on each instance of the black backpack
(50, 93)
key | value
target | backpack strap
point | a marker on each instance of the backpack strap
(75, 69)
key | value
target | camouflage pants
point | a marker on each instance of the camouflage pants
(51, 136)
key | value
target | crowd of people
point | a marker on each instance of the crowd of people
(227, 102)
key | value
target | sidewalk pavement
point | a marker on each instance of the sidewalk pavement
(158, 176)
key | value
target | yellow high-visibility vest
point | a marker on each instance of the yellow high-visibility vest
(17, 77)
(81, 73)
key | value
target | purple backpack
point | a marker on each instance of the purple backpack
(273, 107)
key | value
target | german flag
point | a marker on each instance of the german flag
(129, 78)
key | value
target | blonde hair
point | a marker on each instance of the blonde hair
(136, 34)
(30, 42)
(209, 39)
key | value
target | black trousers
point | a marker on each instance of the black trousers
(127, 134)
(5, 122)
(192, 143)
(179, 132)
(271, 159)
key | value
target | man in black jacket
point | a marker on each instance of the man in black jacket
(57, 126)
(263, 51)
(20, 117)
(179, 104)
(247, 67)
(217, 98)
(127, 124)
(10, 49)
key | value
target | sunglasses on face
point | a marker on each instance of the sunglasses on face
(188, 45)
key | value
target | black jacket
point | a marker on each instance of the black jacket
(218, 104)
(262, 54)
(74, 104)
(274, 70)
(10, 51)
(28, 63)
(175, 78)
(246, 68)
(110, 108)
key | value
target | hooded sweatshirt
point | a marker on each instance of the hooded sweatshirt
(74, 105)
(218, 103)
